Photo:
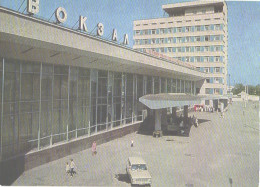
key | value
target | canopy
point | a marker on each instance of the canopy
(167, 100)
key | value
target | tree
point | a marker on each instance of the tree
(252, 90)
(238, 89)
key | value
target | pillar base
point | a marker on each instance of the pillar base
(157, 134)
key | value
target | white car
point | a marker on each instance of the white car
(138, 172)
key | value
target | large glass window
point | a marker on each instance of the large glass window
(156, 85)
(178, 86)
(129, 97)
(169, 86)
(102, 100)
(163, 85)
(173, 86)
(117, 90)
(83, 101)
(182, 86)
(60, 103)
(139, 94)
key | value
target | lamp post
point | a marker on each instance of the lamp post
(229, 83)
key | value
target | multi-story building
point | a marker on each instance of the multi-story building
(194, 32)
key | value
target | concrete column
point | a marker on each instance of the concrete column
(185, 111)
(158, 114)
(174, 114)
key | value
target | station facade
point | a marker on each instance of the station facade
(58, 84)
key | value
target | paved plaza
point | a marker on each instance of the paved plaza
(218, 152)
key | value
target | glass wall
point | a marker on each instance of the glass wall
(117, 98)
(169, 89)
(174, 86)
(156, 85)
(46, 104)
(163, 85)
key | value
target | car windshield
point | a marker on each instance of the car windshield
(139, 167)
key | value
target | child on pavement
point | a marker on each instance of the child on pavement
(67, 168)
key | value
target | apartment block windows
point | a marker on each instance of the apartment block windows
(153, 41)
(170, 40)
(137, 42)
(179, 58)
(206, 48)
(217, 58)
(145, 41)
(217, 80)
(179, 29)
(153, 31)
(207, 38)
(197, 59)
(187, 59)
(217, 48)
(206, 58)
(217, 27)
(187, 49)
(217, 91)
(217, 70)
(207, 80)
(217, 38)
(137, 32)
(162, 31)
(197, 38)
(207, 27)
(146, 32)
(197, 49)
(197, 28)
(178, 49)
(169, 49)
(170, 31)
(187, 39)
(187, 29)
(207, 90)
(161, 40)
(179, 40)
(162, 50)
(206, 70)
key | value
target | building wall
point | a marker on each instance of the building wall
(43, 105)
(198, 36)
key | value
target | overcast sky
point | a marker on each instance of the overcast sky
(243, 26)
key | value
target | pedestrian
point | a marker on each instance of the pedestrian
(67, 168)
(132, 143)
(72, 168)
(94, 148)
(196, 122)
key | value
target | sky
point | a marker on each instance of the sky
(243, 26)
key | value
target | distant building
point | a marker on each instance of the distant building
(194, 32)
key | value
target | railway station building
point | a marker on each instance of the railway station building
(61, 88)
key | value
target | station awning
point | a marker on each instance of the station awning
(167, 100)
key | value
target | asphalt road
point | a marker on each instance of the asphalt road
(218, 152)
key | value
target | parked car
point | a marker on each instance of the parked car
(137, 171)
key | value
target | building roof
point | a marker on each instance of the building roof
(169, 8)
(67, 46)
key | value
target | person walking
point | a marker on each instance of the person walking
(72, 167)
(67, 168)
(94, 148)
(132, 143)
